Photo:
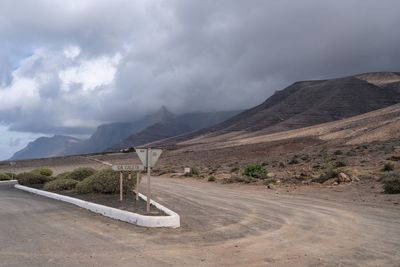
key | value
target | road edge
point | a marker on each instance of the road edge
(170, 221)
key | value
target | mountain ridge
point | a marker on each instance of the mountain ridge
(307, 103)
(44, 147)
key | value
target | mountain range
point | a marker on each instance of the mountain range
(44, 147)
(308, 103)
(302, 104)
(120, 135)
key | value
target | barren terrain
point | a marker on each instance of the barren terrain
(295, 221)
(222, 225)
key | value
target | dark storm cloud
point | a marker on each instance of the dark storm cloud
(82, 63)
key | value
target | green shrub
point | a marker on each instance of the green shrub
(105, 182)
(60, 184)
(10, 174)
(31, 178)
(388, 167)
(63, 175)
(391, 183)
(80, 174)
(85, 186)
(4, 177)
(255, 171)
(43, 171)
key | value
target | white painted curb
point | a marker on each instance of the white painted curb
(172, 220)
(8, 182)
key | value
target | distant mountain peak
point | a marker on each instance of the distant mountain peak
(161, 115)
(44, 147)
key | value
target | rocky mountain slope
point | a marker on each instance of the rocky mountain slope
(309, 103)
(173, 126)
(107, 135)
(159, 125)
(375, 126)
(45, 147)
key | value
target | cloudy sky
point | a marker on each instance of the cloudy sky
(67, 66)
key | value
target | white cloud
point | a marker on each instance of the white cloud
(72, 51)
(90, 74)
(64, 65)
(22, 93)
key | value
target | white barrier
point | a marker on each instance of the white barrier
(8, 182)
(172, 220)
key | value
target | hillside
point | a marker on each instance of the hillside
(173, 126)
(375, 126)
(107, 135)
(309, 103)
(114, 136)
(45, 147)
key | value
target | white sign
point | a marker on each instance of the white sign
(154, 155)
(128, 167)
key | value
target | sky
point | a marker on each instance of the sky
(68, 66)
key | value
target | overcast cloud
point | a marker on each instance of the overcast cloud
(67, 66)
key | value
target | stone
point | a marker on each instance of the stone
(343, 178)
(271, 175)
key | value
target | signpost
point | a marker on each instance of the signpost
(148, 153)
(131, 167)
(121, 181)
(148, 157)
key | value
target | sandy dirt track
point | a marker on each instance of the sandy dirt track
(222, 225)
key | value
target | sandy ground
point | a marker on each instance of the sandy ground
(222, 225)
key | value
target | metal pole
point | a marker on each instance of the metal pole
(121, 178)
(137, 185)
(148, 163)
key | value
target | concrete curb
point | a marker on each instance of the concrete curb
(8, 182)
(172, 220)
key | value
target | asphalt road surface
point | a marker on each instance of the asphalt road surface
(222, 225)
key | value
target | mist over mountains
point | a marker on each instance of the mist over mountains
(302, 104)
(119, 135)
(308, 103)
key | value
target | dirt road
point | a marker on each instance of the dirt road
(221, 226)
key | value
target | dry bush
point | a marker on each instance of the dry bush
(388, 167)
(4, 177)
(80, 174)
(32, 178)
(331, 173)
(60, 184)
(43, 171)
(391, 182)
(104, 182)
(255, 171)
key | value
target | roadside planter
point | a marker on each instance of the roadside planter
(172, 220)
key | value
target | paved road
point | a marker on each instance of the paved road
(221, 226)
